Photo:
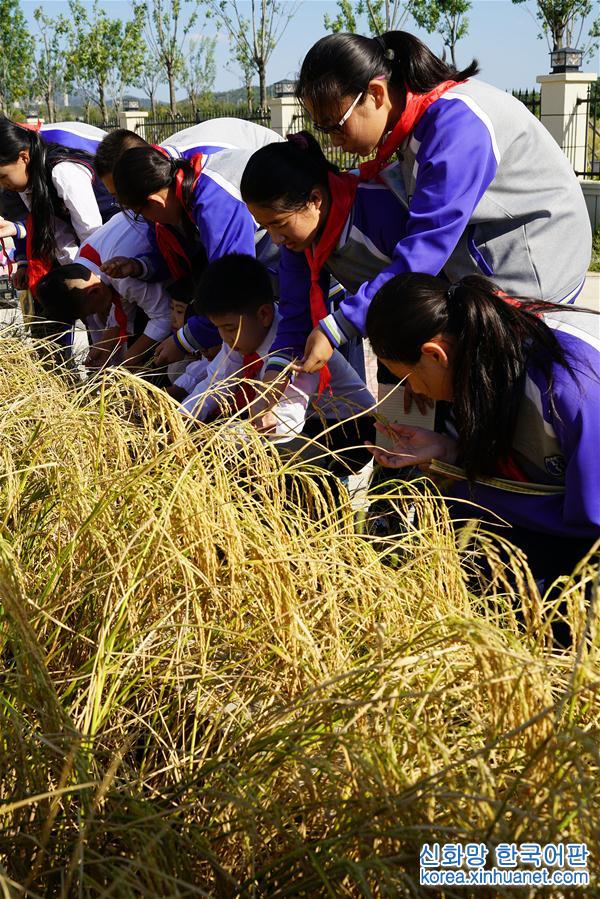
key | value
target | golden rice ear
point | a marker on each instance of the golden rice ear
(212, 684)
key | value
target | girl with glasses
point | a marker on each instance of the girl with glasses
(488, 189)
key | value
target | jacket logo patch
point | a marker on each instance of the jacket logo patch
(555, 465)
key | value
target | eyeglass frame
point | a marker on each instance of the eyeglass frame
(337, 129)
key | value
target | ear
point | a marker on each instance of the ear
(157, 200)
(265, 314)
(436, 350)
(24, 156)
(378, 88)
(316, 197)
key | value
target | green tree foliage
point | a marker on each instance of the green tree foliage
(563, 23)
(254, 39)
(446, 18)
(50, 62)
(199, 70)
(106, 54)
(16, 55)
(166, 35)
(151, 76)
(377, 15)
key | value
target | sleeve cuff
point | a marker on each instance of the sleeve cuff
(147, 268)
(185, 340)
(158, 329)
(337, 329)
(279, 361)
(21, 231)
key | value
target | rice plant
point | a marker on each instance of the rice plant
(212, 685)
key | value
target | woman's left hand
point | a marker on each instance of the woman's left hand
(413, 446)
(317, 353)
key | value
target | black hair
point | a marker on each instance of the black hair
(283, 175)
(57, 302)
(112, 147)
(236, 283)
(495, 339)
(142, 171)
(342, 65)
(15, 139)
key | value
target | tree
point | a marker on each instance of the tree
(106, 54)
(380, 15)
(167, 36)
(563, 23)
(447, 18)
(50, 63)
(255, 39)
(200, 70)
(16, 54)
(151, 77)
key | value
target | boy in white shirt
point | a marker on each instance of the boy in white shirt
(235, 293)
(126, 317)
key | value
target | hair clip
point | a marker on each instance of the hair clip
(451, 291)
(389, 54)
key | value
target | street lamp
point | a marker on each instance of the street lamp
(284, 88)
(567, 59)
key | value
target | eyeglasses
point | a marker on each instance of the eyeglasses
(337, 129)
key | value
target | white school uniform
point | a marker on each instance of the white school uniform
(73, 183)
(348, 395)
(121, 236)
(223, 133)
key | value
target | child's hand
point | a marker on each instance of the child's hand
(177, 393)
(7, 229)
(122, 267)
(413, 446)
(20, 278)
(97, 357)
(317, 352)
(166, 352)
(265, 424)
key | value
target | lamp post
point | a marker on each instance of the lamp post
(566, 59)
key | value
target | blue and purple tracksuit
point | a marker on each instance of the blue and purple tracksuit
(489, 192)
(222, 224)
(556, 441)
(224, 133)
(377, 221)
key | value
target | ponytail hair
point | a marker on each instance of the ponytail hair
(342, 65)
(142, 171)
(283, 175)
(495, 338)
(14, 139)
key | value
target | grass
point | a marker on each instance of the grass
(595, 263)
(212, 686)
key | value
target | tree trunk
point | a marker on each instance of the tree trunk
(152, 99)
(262, 86)
(102, 103)
(172, 97)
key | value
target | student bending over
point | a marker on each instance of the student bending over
(235, 293)
(125, 317)
(522, 379)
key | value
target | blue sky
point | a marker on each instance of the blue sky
(502, 36)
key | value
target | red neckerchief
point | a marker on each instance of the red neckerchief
(120, 315)
(169, 245)
(343, 189)
(244, 393)
(416, 106)
(37, 266)
(510, 468)
(87, 251)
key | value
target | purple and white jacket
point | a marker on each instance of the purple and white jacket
(556, 441)
(489, 192)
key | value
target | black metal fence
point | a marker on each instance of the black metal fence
(155, 131)
(532, 99)
(588, 107)
(336, 155)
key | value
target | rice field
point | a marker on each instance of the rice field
(213, 685)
